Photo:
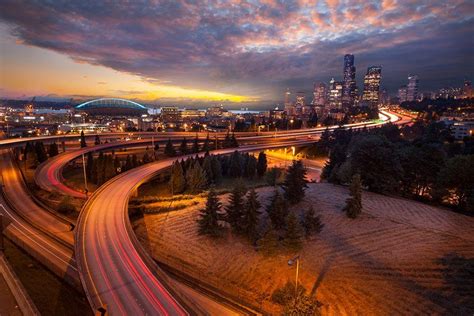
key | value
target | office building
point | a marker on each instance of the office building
(349, 88)
(370, 96)
(412, 88)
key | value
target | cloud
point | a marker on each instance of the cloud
(251, 48)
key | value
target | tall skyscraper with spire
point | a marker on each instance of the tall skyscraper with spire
(349, 88)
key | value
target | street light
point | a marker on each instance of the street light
(293, 149)
(292, 261)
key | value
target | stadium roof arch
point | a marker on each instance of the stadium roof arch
(112, 106)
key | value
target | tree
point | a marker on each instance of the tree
(177, 180)
(250, 218)
(272, 176)
(83, 140)
(207, 166)
(277, 210)
(269, 243)
(216, 169)
(261, 164)
(323, 144)
(233, 141)
(135, 162)
(40, 152)
(183, 148)
(295, 182)
(293, 235)
(97, 140)
(169, 149)
(196, 178)
(354, 203)
(53, 150)
(109, 169)
(146, 158)
(128, 163)
(227, 142)
(235, 169)
(235, 209)
(311, 222)
(208, 222)
(457, 180)
(251, 167)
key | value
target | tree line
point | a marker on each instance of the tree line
(422, 161)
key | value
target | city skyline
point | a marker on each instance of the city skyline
(223, 53)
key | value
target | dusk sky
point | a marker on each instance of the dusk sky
(236, 51)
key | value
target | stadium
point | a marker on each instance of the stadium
(112, 107)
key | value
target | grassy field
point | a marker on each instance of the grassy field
(51, 295)
(398, 257)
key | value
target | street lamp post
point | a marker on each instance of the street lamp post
(292, 261)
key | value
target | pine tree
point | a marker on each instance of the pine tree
(97, 140)
(311, 222)
(216, 169)
(196, 145)
(169, 149)
(40, 152)
(83, 140)
(128, 163)
(261, 164)
(208, 222)
(251, 167)
(53, 150)
(235, 209)
(99, 169)
(183, 148)
(269, 243)
(250, 218)
(235, 168)
(177, 180)
(227, 142)
(207, 166)
(89, 165)
(354, 203)
(135, 162)
(196, 178)
(277, 210)
(109, 170)
(295, 182)
(293, 235)
(146, 158)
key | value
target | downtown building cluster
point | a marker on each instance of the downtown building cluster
(338, 98)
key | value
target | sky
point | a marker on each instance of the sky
(233, 52)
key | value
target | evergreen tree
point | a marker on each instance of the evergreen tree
(272, 176)
(157, 147)
(250, 218)
(89, 165)
(128, 163)
(196, 178)
(324, 143)
(311, 222)
(53, 150)
(354, 203)
(235, 209)
(261, 164)
(277, 210)
(196, 145)
(216, 169)
(227, 141)
(169, 149)
(295, 182)
(269, 243)
(177, 180)
(109, 170)
(183, 148)
(83, 140)
(293, 235)
(40, 152)
(97, 140)
(235, 168)
(207, 166)
(251, 167)
(208, 221)
(135, 162)
(146, 158)
(117, 163)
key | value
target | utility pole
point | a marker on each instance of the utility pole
(296, 260)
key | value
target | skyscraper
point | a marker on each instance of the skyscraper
(335, 94)
(402, 94)
(319, 94)
(349, 88)
(467, 89)
(412, 88)
(372, 86)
